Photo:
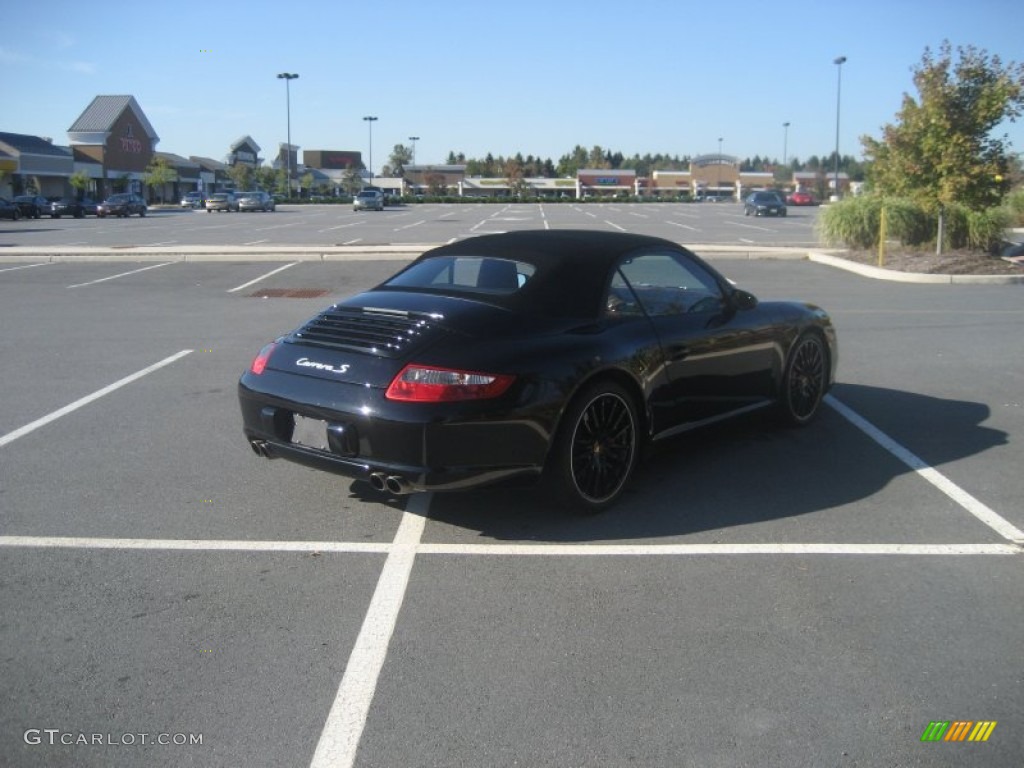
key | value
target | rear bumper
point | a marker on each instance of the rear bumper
(422, 447)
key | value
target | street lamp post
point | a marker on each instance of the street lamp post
(718, 183)
(838, 61)
(414, 139)
(288, 77)
(785, 142)
(370, 120)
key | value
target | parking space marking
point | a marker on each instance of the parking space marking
(983, 512)
(10, 437)
(505, 550)
(613, 224)
(25, 266)
(684, 226)
(200, 545)
(343, 730)
(262, 277)
(122, 274)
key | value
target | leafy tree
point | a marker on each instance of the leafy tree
(79, 182)
(401, 156)
(941, 150)
(159, 172)
(307, 182)
(242, 176)
(352, 182)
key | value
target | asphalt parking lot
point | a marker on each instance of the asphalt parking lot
(760, 597)
(339, 225)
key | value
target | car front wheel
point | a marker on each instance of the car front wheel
(596, 448)
(805, 381)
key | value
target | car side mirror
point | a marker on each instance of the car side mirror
(741, 299)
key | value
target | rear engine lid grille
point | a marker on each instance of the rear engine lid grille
(384, 332)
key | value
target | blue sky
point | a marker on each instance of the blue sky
(478, 76)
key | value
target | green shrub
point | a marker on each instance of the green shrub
(1014, 204)
(986, 229)
(907, 222)
(852, 222)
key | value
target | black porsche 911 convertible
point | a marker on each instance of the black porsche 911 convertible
(551, 355)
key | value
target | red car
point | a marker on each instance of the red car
(801, 198)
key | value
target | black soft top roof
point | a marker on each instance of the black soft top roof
(573, 265)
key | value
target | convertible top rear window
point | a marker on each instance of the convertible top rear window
(472, 274)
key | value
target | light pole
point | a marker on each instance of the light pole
(288, 77)
(414, 139)
(785, 142)
(838, 61)
(370, 120)
(718, 183)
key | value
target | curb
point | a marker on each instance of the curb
(866, 270)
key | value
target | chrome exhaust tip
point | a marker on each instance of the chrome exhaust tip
(378, 480)
(397, 485)
(259, 448)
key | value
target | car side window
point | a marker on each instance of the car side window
(666, 283)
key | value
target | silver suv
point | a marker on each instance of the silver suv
(368, 199)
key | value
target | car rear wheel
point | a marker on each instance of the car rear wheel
(805, 380)
(596, 448)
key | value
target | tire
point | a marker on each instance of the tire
(596, 448)
(142, 213)
(805, 380)
(54, 215)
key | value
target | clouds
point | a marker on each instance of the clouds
(17, 58)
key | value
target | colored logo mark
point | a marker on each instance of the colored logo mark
(958, 730)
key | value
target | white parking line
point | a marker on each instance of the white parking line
(347, 718)
(506, 550)
(262, 277)
(409, 226)
(10, 437)
(256, 242)
(984, 513)
(613, 224)
(684, 226)
(340, 226)
(209, 545)
(25, 266)
(122, 274)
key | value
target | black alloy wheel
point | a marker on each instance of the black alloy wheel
(596, 449)
(806, 380)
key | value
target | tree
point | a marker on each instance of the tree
(352, 182)
(79, 182)
(242, 176)
(158, 174)
(941, 150)
(401, 156)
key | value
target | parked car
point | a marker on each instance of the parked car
(193, 200)
(368, 199)
(122, 204)
(32, 206)
(474, 365)
(221, 201)
(256, 200)
(764, 204)
(69, 206)
(801, 198)
(9, 210)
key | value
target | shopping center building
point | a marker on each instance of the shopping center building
(112, 143)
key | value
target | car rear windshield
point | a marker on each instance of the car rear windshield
(466, 274)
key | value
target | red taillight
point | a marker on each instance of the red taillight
(260, 363)
(425, 384)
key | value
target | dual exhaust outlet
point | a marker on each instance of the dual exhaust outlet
(394, 484)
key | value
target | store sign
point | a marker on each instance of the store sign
(129, 143)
